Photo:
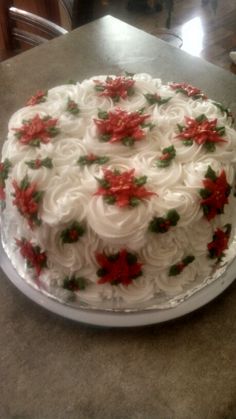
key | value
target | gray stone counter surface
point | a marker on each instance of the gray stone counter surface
(51, 367)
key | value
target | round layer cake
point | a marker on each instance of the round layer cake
(118, 189)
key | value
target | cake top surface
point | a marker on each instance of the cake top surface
(117, 185)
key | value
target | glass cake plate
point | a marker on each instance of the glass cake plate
(157, 310)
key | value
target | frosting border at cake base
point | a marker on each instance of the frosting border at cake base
(118, 319)
(223, 275)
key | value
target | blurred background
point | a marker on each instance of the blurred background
(205, 28)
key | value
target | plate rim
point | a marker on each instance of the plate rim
(119, 319)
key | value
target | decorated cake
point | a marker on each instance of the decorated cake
(118, 189)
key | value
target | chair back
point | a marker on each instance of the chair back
(31, 29)
(75, 13)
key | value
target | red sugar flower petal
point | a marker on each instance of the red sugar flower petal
(115, 88)
(36, 130)
(121, 125)
(189, 90)
(39, 97)
(202, 132)
(27, 200)
(122, 268)
(33, 255)
(218, 244)
(219, 191)
(122, 187)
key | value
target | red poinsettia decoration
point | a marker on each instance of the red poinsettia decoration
(39, 97)
(188, 90)
(115, 88)
(27, 199)
(215, 193)
(37, 130)
(123, 189)
(121, 268)
(202, 131)
(123, 126)
(219, 243)
(33, 255)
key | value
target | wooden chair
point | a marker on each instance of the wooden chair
(48, 29)
(21, 30)
(75, 13)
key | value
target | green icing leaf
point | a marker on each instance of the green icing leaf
(102, 114)
(210, 147)
(24, 183)
(131, 258)
(134, 202)
(128, 141)
(109, 199)
(74, 283)
(140, 181)
(189, 259)
(173, 217)
(201, 118)
(72, 233)
(211, 174)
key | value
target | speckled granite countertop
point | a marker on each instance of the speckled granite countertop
(51, 367)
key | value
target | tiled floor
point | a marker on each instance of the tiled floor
(195, 28)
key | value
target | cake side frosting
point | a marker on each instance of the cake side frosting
(118, 188)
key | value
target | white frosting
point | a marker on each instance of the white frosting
(69, 191)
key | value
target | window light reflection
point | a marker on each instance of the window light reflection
(192, 34)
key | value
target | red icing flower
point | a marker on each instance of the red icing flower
(37, 130)
(202, 131)
(119, 87)
(39, 97)
(188, 90)
(123, 188)
(219, 243)
(27, 199)
(215, 195)
(121, 268)
(121, 126)
(34, 257)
